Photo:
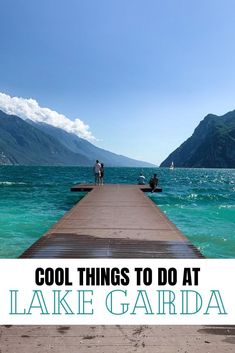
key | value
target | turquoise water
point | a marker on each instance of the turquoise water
(201, 202)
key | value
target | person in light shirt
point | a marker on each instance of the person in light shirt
(141, 179)
(97, 172)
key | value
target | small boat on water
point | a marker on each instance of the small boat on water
(172, 165)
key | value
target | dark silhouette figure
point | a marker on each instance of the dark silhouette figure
(153, 182)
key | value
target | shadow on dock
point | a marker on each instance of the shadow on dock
(86, 246)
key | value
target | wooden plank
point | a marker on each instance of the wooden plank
(113, 221)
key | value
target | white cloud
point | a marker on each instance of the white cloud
(30, 109)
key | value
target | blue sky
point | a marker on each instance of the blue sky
(141, 74)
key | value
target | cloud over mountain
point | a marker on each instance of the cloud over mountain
(30, 109)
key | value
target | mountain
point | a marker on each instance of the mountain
(212, 145)
(29, 143)
(87, 149)
(22, 143)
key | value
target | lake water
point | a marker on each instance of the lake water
(201, 202)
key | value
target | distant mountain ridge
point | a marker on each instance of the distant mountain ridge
(212, 145)
(31, 143)
(79, 145)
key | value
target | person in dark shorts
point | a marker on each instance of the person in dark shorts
(102, 174)
(153, 182)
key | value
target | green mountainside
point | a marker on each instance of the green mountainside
(212, 145)
(87, 149)
(29, 143)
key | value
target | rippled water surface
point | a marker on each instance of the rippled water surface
(201, 202)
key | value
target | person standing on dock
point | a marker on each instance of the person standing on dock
(102, 174)
(97, 172)
(153, 182)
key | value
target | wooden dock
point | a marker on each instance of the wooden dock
(90, 187)
(113, 221)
